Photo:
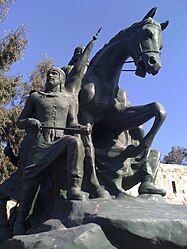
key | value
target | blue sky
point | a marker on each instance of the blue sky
(56, 27)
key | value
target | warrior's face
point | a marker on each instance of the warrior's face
(78, 53)
(55, 77)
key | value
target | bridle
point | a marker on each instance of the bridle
(140, 52)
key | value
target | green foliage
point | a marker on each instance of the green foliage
(11, 50)
(38, 75)
(177, 155)
(8, 133)
(6, 168)
(12, 46)
(9, 88)
(13, 91)
(4, 8)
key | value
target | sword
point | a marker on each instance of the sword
(85, 130)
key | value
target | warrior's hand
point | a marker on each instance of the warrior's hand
(34, 124)
(86, 130)
(94, 38)
(96, 35)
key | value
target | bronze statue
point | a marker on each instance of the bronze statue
(51, 148)
(55, 111)
(79, 97)
(74, 74)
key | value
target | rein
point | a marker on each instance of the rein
(140, 52)
(128, 70)
(126, 62)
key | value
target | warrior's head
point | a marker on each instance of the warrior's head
(76, 55)
(55, 79)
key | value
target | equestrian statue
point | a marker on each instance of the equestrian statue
(82, 132)
(118, 147)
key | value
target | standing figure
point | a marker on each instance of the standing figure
(75, 72)
(52, 150)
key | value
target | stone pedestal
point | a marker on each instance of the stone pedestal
(126, 223)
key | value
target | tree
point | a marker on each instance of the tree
(177, 155)
(15, 101)
(12, 46)
(37, 77)
(4, 8)
(13, 90)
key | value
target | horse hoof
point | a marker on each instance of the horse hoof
(149, 188)
(100, 193)
(123, 195)
(76, 194)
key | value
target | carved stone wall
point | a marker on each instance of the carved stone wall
(172, 178)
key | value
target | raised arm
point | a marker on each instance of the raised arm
(74, 79)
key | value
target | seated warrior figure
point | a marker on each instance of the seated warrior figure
(52, 149)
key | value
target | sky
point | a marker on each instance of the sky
(56, 27)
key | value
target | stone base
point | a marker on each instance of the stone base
(127, 223)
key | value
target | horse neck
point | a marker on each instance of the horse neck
(110, 63)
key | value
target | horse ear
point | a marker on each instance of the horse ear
(151, 13)
(164, 25)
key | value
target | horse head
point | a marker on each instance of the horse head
(142, 41)
(145, 44)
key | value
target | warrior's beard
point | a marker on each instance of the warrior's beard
(51, 84)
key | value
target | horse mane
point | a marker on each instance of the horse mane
(123, 33)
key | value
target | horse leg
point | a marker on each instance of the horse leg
(148, 172)
(141, 115)
(132, 117)
(160, 115)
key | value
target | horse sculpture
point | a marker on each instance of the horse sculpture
(105, 105)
